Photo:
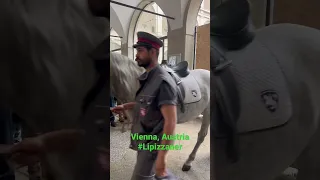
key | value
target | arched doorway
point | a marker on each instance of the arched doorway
(153, 24)
(204, 13)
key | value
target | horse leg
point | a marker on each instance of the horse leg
(121, 118)
(124, 123)
(34, 171)
(128, 119)
(201, 135)
(47, 173)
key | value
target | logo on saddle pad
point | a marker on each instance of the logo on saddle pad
(143, 112)
(194, 93)
(270, 98)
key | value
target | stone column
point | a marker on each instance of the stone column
(181, 43)
(258, 12)
(124, 49)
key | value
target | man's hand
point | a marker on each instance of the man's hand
(24, 159)
(118, 109)
(169, 113)
(31, 149)
(161, 166)
(29, 145)
(28, 151)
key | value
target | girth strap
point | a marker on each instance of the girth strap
(227, 100)
(178, 82)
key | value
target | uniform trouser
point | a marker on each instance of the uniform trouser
(145, 166)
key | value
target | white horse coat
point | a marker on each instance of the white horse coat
(45, 69)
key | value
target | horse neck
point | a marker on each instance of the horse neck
(124, 77)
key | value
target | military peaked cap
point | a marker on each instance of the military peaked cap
(146, 39)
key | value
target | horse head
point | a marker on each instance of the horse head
(124, 73)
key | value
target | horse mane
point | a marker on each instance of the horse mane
(46, 70)
(123, 71)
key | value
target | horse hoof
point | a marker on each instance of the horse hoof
(186, 167)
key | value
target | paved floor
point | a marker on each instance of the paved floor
(123, 159)
(22, 174)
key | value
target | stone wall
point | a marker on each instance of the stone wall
(203, 47)
(297, 12)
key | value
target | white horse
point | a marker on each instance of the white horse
(46, 73)
(272, 93)
(124, 84)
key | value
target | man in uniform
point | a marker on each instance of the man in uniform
(154, 108)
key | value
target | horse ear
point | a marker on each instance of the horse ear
(99, 8)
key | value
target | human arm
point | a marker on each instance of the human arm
(128, 106)
(170, 119)
(167, 102)
(169, 113)
(122, 107)
(29, 150)
(62, 140)
(54, 141)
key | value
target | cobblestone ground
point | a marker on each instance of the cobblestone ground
(123, 159)
(22, 174)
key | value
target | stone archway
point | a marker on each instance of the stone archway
(116, 24)
(153, 24)
(115, 41)
(132, 27)
(157, 26)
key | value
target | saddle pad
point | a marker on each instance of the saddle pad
(191, 89)
(260, 83)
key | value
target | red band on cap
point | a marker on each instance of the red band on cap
(154, 44)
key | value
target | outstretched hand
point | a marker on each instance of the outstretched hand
(118, 109)
(29, 145)
(27, 152)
